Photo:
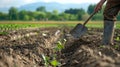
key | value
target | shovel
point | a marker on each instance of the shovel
(80, 29)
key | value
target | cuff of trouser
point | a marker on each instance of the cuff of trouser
(109, 19)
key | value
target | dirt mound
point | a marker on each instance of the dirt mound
(89, 51)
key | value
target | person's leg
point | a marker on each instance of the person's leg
(108, 33)
(110, 14)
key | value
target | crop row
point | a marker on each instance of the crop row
(7, 27)
(15, 26)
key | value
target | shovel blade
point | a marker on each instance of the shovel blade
(78, 31)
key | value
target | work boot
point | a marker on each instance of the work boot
(108, 33)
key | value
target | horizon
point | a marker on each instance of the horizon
(18, 3)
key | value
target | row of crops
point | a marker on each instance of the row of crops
(12, 25)
(15, 26)
(7, 27)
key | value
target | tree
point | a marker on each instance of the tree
(40, 15)
(81, 12)
(74, 11)
(72, 17)
(69, 11)
(42, 9)
(64, 16)
(77, 13)
(55, 12)
(13, 13)
(3, 16)
(31, 15)
(23, 15)
(55, 15)
(90, 8)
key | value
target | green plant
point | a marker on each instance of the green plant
(118, 39)
(46, 60)
(53, 61)
(60, 45)
(58, 48)
(3, 33)
(116, 46)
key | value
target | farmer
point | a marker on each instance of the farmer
(110, 12)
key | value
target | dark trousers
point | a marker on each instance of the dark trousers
(111, 10)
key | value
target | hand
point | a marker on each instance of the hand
(99, 6)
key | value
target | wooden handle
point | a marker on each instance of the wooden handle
(89, 18)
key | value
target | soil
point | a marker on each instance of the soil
(25, 47)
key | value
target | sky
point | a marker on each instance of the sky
(17, 3)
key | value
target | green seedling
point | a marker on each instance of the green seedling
(46, 60)
(116, 46)
(60, 45)
(55, 63)
(118, 39)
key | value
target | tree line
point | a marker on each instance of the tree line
(41, 14)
